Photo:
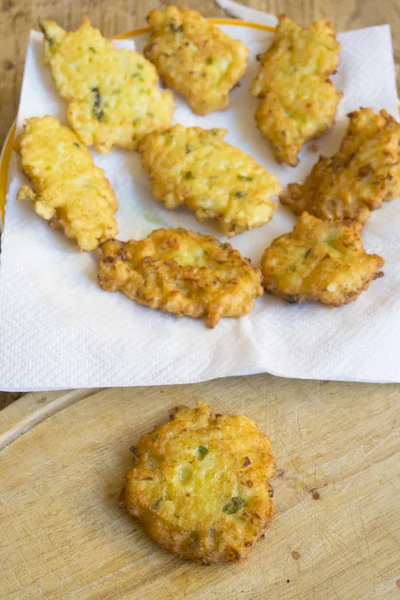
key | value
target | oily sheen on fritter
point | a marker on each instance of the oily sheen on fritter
(112, 93)
(320, 260)
(359, 177)
(200, 487)
(298, 101)
(195, 57)
(68, 189)
(181, 272)
(197, 168)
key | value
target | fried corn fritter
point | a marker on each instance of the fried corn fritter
(195, 57)
(183, 273)
(299, 102)
(364, 172)
(69, 190)
(200, 485)
(320, 260)
(112, 94)
(196, 167)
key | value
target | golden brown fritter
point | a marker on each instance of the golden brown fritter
(196, 167)
(195, 57)
(299, 102)
(364, 172)
(70, 191)
(112, 94)
(183, 273)
(320, 260)
(200, 485)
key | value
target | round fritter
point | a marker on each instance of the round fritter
(196, 167)
(320, 260)
(70, 191)
(195, 57)
(299, 102)
(359, 177)
(181, 272)
(112, 93)
(200, 485)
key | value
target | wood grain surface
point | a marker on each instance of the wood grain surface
(337, 494)
(336, 532)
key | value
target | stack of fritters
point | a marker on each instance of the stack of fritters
(114, 101)
(200, 483)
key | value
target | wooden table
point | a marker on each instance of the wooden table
(337, 528)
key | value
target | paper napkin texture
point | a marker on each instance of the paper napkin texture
(58, 329)
(240, 11)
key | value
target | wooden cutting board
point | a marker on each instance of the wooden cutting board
(336, 533)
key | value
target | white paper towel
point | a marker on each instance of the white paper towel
(58, 329)
(240, 11)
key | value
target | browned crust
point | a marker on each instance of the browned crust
(355, 197)
(214, 540)
(227, 286)
(284, 152)
(289, 248)
(301, 299)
